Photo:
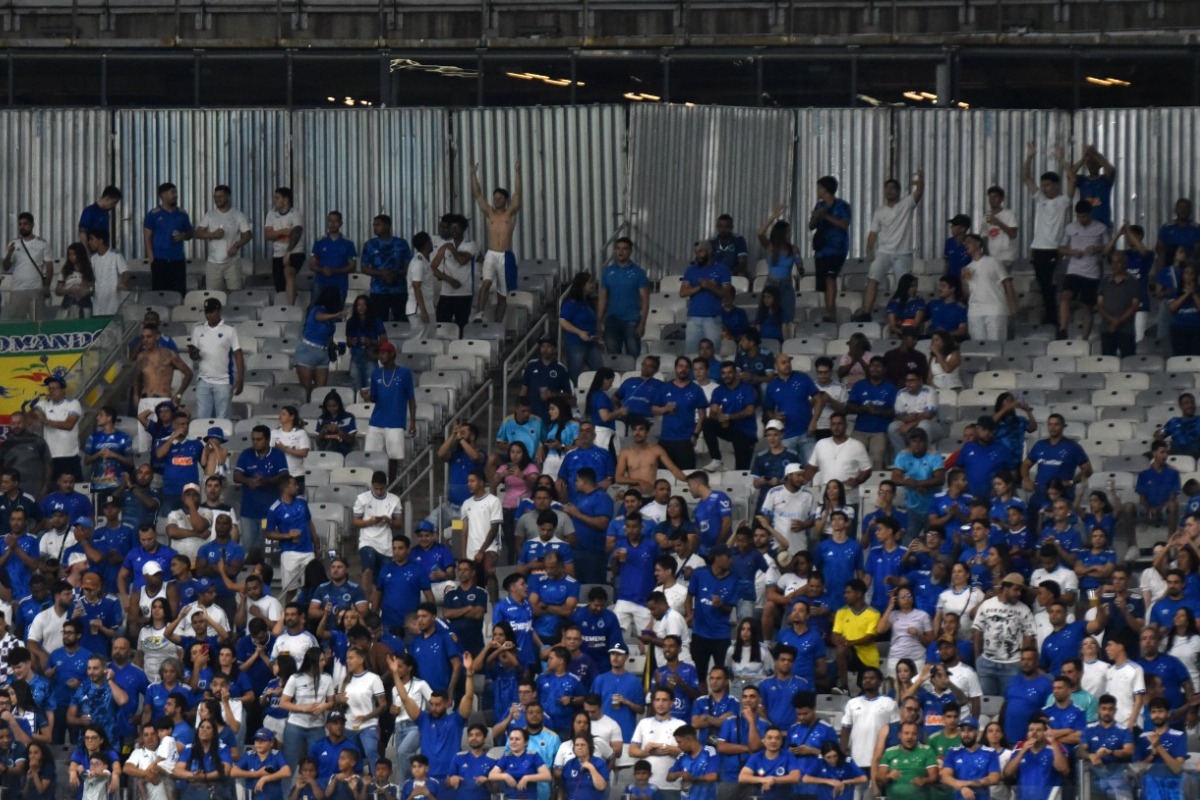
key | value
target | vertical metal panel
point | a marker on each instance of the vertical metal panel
(1154, 151)
(573, 173)
(963, 152)
(690, 164)
(57, 162)
(371, 161)
(245, 149)
(854, 146)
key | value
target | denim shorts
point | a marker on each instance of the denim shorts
(311, 356)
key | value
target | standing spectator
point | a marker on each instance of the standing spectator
(1125, 680)
(1118, 305)
(385, 259)
(95, 217)
(110, 276)
(32, 269)
(165, 230)
(991, 299)
(1025, 695)
(982, 458)
(482, 516)
(290, 523)
(728, 248)
(76, 282)
(654, 740)
(1050, 217)
(712, 595)
(499, 263)
(830, 224)
(453, 266)
(545, 379)
(1109, 749)
(1139, 262)
(683, 407)
(577, 319)
(227, 231)
(422, 288)
(839, 457)
(364, 334)
(890, 240)
(702, 287)
(916, 407)
(1083, 242)
(334, 257)
(795, 400)
(1038, 763)
(873, 401)
(1095, 186)
(866, 715)
(1183, 430)
(311, 358)
(284, 230)
(28, 454)
(783, 260)
(260, 471)
(378, 516)
(999, 228)
(221, 368)
(1055, 457)
(1184, 308)
(59, 417)
(1180, 232)
(1003, 627)
(624, 302)
(920, 471)
(954, 252)
(393, 392)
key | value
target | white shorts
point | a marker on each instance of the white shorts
(392, 441)
(899, 264)
(632, 616)
(493, 270)
(142, 443)
(293, 565)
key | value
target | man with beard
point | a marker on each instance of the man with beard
(972, 766)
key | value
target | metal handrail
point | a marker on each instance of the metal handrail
(411, 472)
(520, 355)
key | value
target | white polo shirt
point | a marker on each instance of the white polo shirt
(377, 537)
(924, 399)
(480, 514)
(1123, 683)
(62, 444)
(653, 730)
(217, 344)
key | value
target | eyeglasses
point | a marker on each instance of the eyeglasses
(904, 597)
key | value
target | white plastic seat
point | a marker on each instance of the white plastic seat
(187, 314)
(1069, 347)
(1182, 463)
(1074, 413)
(1114, 397)
(1183, 364)
(1098, 364)
(282, 314)
(1134, 381)
(669, 284)
(1054, 364)
(1115, 429)
(433, 347)
(197, 428)
(1005, 380)
(1045, 381)
(1102, 447)
(198, 296)
(872, 330)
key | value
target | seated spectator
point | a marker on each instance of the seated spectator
(853, 366)
(944, 362)
(734, 319)
(337, 429)
(1184, 430)
(905, 358)
(769, 317)
(906, 309)
(946, 311)
(916, 406)
(755, 364)
(1158, 490)
(854, 633)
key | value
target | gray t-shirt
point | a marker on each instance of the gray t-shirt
(527, 526)
(1116, 298)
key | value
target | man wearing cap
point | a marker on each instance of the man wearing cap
(972, 765)
(28, 454)
(545, 379)
(767, 470)
(954, 253)
(263, 767)
(434, 557)
(101, 615)
(328, 749)
(59, 417)
(147, 549)
(787, 510)
(220, 367)
(393, 392)
(187, 528)
(154, 378)
(1003, 626)
(260, 470)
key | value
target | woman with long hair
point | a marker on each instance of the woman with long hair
(832, 499)
(993, 737)
(911, 628)
(1184, 643)
(769, 317)
(94, 744)
(1095, 564)
(311, 358)
(27, 712)
(307, 697)
(364, 332)
(1004, 496)
(292, 440)
(751, 661)
(365, 702)
(678, 524)
(906, 309)
(229, 668)
(560, 435)
(998, 564)
(226, 724)
(581, 727)
(1100, 514)
(577, 318)
(1094, 667)
(406, 739)
(944, 361)
(600, 409)
(585, 776)
(962, 598)
(275, 717)
(518, 477)
(901, 677)
(41, 774)
(153, 645)
(946, 310)
(783, 261)
(76, 283)
(203, 766)
(336, 428)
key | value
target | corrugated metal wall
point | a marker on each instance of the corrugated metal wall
(246, 149)
(1154, 151)
(689, 165)
(371, 161)
(963, 153)
(573, 171)
(56, 162)
(854, 146)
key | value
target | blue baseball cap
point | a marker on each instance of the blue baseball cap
(968, 722)
(426, 525)
(84, 522)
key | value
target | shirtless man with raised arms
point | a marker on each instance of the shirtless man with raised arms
(501, 218)
(638, 462)
(156, 367)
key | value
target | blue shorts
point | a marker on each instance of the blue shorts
(371, 559)
(310, 356)
(510, 270)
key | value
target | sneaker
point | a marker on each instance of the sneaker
(713, 466)
(477, 317)
(861, 316)
(1061, 335)
(829, 318)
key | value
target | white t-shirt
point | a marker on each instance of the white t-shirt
(1123, 683)
(361, 691)
(967, 681)
(893, 226)
(676, 596)
(460, 271)
(656, 511)
(1082, 237)
(839, 461)
(46, 629)
(214, 612)
(377, 537)
(566, 750)
(420, 272)
(191, 545)
(108, 269)
(1000, 245)
(1049, 219)
(1187, 650)
(1065, 578)
(985, 288)
(278, 221)
(1094, 673)
(61, 443)
(296, 437)
(959, 603)
(865, 718)
(295, 645)
(268, 605)
(142, 758)
(301, 689)
(155, 648)
(835, 391)
(782, 506)
(28, 263)
(918, 402)
(419, 691)
(480, 514)
(216, 345)
(653, 730)
(672, 624)
(233, 222)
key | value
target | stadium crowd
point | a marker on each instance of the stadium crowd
(863, 605)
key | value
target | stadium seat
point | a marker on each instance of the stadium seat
(1099, 364)
(282, 314)
(1077, 348)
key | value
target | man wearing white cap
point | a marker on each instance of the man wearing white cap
(187, 528)
(153, 588)
(767, 467)
(787, 510)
